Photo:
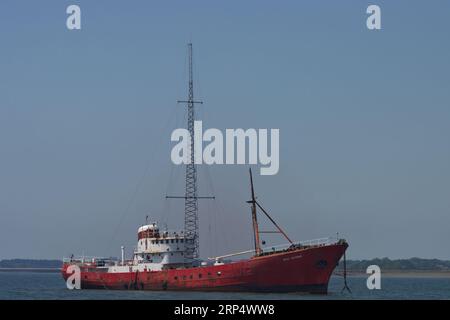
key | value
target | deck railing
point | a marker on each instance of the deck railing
(90, 259)
(304, 243)
(268, 249)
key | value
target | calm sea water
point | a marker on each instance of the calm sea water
(35, 285)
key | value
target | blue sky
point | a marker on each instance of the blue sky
(86, 117)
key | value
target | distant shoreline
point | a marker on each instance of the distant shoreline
(44, 270)
(400, 273)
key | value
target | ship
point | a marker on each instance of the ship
(169, 260)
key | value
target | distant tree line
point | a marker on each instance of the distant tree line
(30, 263)
(398, 264)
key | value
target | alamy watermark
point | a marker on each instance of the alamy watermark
(73, 21)
(373, 22)
(235, 151)
(74, 280)
(374, 280)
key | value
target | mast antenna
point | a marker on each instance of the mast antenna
(190, 197)
(254, 217)
(190, 202)
(255, 204)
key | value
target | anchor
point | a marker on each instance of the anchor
(346, 287)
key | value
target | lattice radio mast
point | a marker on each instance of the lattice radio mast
(191, 198)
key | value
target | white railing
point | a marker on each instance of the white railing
(89, 259)
(305, 243)
(318, 242)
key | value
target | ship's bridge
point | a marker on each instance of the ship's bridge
(159, 247)
(148, 231)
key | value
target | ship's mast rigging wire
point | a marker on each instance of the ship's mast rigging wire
(140, 182)
(256, 232)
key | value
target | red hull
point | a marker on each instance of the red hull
(299, 270)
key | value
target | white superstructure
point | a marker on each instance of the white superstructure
(156, 250)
